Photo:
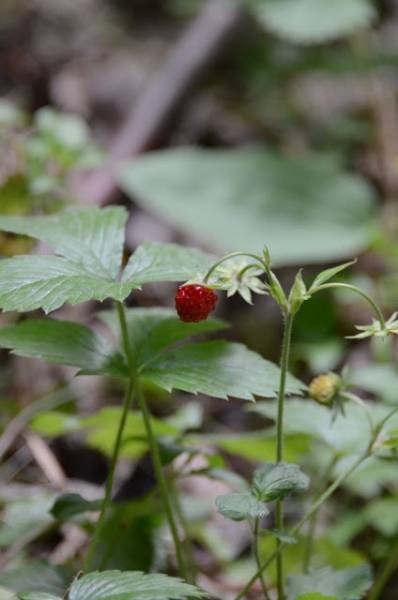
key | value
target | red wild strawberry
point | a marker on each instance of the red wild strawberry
(194, 302)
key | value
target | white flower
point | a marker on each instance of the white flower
(377, 329)
(239, 276)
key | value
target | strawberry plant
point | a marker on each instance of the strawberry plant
(144, 347)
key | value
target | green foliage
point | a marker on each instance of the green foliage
(60, 342)
(117, 585)
(275, 481)
(240, 506)
(247, 197)
(38, 596)
(218, 369)
(36, 577)
(68, 506)
(348, 584)
(313, 21)
(326, 274)
(315, 596)
(90, 242)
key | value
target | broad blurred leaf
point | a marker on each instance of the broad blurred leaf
(92, 238)
(152, 330)
(54, 341)
(36, 576)
(239, 507)
(348, 434)
(130, 585)
(68, 506)
(315, 596)
(153, 261)
(52, 423)
(313, 21)
(218, 369)
(38, 596)
(348, 584)
(25, 519)
(255, 445)
(305, 209)
(382, 514)
(275, 481)
(380, 379)
(102, 428)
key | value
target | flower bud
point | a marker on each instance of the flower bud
(324, 388)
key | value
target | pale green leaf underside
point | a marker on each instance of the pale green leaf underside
(240, 506)
(218, 369)
(305, 209)
(54, 341)
(347, 584)
(92, 237)
(130, 585)
(153, 261)
(327, 274)
(313, 21)
(31, 282)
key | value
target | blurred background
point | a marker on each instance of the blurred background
(226, 126)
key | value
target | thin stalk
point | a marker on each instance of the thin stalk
(152, 442)
(376, 308)
(309, 544)
(385, 574)
(111, 476)
(184, 526)
(161, 479)
(227, 257)
(256, 552)
(284, 365)
(327, 493)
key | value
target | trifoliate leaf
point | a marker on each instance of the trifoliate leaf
(92, 238)
(131, 585)
(239, 507)
(275, 481)
(153, 261)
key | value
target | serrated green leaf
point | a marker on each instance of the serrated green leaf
(313, 21)
(218, 369)
(48, 282)
(253, 197)
(55, 341)
(154, 261)
(347, 584)
(68, 506)
(275, 481)
(91, 237)
(240, 506)
(327, 274)
(131, 585)
(152, 330)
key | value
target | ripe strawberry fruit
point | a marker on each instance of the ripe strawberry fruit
(194, 302)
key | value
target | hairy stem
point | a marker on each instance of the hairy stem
(256, 552)
(161, 479)
(327, 493)
(109, 482)
(309, 543)
(346, 286)
(284, 364)
(152, 442)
